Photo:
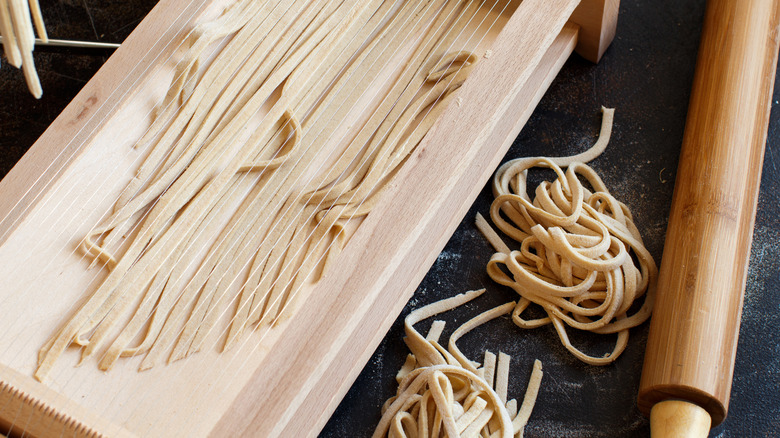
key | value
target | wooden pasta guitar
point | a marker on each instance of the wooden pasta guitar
(69, 245)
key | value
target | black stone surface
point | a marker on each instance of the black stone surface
(646, 75)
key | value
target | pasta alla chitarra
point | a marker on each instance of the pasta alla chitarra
(256, 168)
(443, 393)
(581, 258)
(16, 28)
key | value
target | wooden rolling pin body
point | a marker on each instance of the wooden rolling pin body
(693, 334)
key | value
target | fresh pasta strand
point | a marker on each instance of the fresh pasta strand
(366, 183)
(259, 156)
(269, 247)
(442, 393)
(16, 28)
(155, 241)
(581, 257)
(277, 270)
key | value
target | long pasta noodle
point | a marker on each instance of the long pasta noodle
(237, 165)
(127, 273)
(581, 258)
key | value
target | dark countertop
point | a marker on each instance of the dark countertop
(646, 75)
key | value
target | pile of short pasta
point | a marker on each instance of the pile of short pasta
(443, 393)
(581, 258)
(242, 162)
(16, 28)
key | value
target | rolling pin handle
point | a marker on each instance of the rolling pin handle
(679, 419)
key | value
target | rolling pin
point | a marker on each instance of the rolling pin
(689, 361)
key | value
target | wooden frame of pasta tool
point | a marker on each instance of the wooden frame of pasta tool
(293, 391)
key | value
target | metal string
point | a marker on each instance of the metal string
(245, 340)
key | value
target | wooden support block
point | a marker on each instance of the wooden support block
(598, 22)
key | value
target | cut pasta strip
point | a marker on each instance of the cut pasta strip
(37, 16)
(491, 235)
(10, 46)
(441, 393)
(131, 274)
(16, 28)
(531, 392)
(254, 171)
(352, 194)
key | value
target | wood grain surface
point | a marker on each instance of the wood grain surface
(693, 334)
(646, 74)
